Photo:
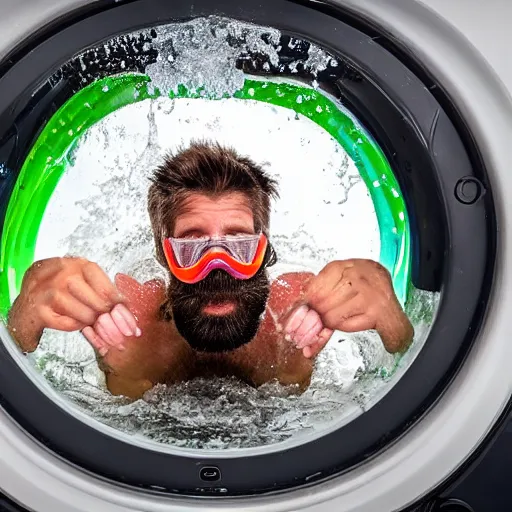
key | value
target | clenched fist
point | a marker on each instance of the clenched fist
(350, 296)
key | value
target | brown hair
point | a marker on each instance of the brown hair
(209, 169)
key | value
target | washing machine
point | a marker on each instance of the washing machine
(430, 82)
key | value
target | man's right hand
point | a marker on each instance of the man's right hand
(66, 294)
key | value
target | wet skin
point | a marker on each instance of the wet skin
(138, 347)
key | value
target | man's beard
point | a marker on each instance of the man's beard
(218, 333)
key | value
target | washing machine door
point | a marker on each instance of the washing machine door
(439, 115)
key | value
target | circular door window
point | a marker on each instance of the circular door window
(367, 175)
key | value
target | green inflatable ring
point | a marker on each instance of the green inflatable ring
(50, 156)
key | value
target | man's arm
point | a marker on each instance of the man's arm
(26, 329)
(70, 294)
(59, 293)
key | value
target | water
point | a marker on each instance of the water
(182, 61)
(324, 213)
(221, 413)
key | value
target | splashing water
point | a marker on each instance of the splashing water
(225, 41)
(325, 215)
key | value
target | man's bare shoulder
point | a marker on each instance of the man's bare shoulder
(143, 299)
(287, 290)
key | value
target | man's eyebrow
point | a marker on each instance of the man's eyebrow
(229, 229)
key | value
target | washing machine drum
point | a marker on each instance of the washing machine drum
(413, 132)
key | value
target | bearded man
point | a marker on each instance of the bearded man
(219, 315)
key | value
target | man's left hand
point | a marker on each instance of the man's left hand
(350, 296)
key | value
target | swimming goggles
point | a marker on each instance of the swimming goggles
(192, 259)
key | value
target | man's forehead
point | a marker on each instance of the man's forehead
(197, 202)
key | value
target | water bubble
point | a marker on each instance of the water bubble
(204, 52)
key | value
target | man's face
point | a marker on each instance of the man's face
(220, 312)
